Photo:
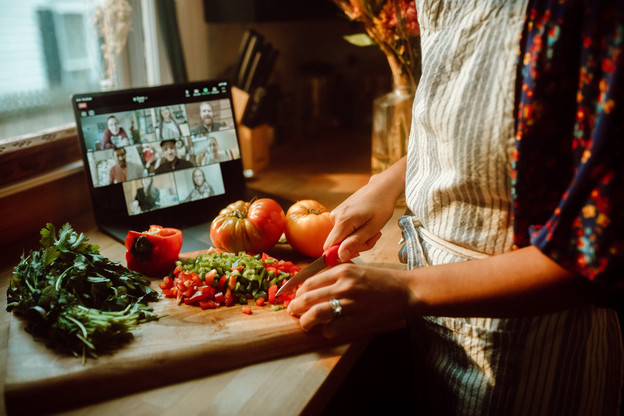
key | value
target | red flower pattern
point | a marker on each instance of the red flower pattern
(568, 171)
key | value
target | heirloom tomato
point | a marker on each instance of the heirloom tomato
(307, 227)
(252, 227)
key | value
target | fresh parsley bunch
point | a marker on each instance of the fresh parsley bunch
(76, 300)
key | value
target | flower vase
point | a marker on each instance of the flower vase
(391, 121)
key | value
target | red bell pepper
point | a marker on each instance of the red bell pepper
(153, 252)
(209, 277)
(271, 293)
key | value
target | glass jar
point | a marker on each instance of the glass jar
(391, 122)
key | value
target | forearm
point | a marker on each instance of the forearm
(392, 180)
(518, 283)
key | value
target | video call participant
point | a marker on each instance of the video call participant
(168, 127)
(114, 136)
(206, 116)
(213, 155)
(124, 170)
(201, 188)
(147, 198)
(170, 161)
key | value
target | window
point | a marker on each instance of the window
(53, 53)
(52, 50)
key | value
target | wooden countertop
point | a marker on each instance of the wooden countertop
(328, 169)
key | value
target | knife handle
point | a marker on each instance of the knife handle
(331, 255)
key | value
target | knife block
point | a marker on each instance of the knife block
(255, 142)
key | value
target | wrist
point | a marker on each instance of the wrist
(391, 181)
(411, 303)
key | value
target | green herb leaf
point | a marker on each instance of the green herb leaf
(75, 299)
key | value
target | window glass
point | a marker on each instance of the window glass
(51, 50)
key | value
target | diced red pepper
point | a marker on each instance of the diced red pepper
(239, 268)
(271, 269)
(209, 277)
(271, 292)
(196, 279)
(219, 297)
(232, 282)
(246, 309)
(167, 283)
(169, 293)
(208, 304)
(260, 301)
(228, 297)
(285, 298)
(202, 293)
(222, 282)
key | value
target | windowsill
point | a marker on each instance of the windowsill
(25, 157)
(42, 179)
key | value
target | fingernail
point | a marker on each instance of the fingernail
(345, 255)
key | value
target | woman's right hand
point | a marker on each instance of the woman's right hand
(359, 219)
(135, 207)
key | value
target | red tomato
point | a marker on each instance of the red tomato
(252, 227)
(307, 227)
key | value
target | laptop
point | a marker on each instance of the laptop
(167, 155)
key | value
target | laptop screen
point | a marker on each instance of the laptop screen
(163, 155)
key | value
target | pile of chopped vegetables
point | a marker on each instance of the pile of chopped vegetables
(219, 279)
(76, 300)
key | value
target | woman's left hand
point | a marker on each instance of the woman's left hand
(370, 297)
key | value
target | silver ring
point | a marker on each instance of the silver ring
(336, 307)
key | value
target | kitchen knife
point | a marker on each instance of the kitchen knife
(254, 45)
(328, 259)
(236, 71)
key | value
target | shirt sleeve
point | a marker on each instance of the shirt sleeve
(567, 177)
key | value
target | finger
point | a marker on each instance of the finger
(370, 243)
(322, 279)
(360, 240)
(319, 314)
(338, 233)
(322, 314)
(343, 326)
(305, 300)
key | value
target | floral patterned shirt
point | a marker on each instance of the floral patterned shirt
(567, 175)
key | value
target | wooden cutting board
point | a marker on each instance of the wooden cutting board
(189, 342)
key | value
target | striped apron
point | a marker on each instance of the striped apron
(459, 198)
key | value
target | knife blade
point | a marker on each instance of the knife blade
(328, 259)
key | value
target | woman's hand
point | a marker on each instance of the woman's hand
(135, 207)
(359, 219)
(370, 297)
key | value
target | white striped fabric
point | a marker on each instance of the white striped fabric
(458, 192)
